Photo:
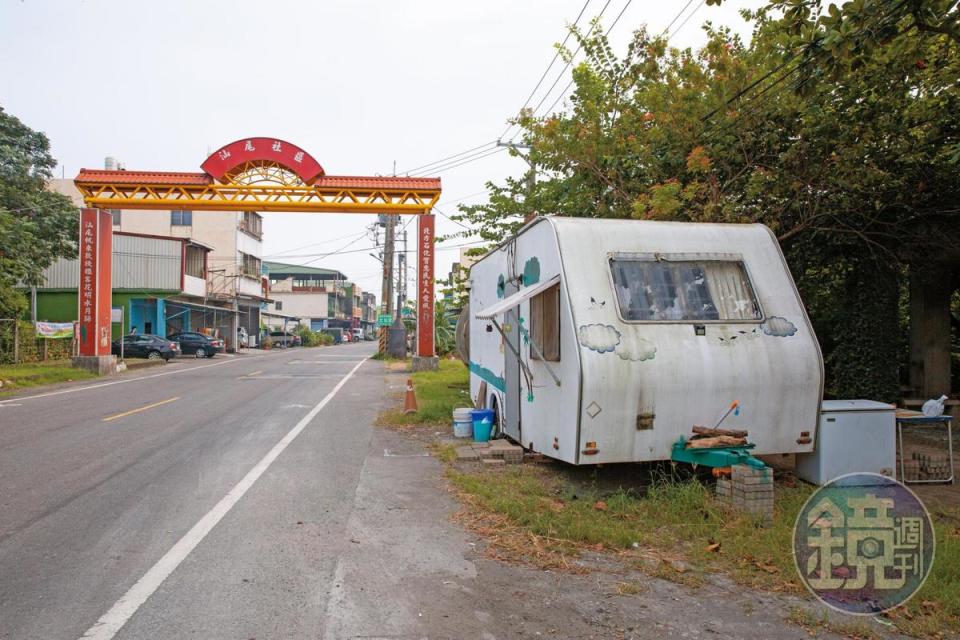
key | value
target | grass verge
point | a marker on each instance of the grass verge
(438, 394)
(674, 529)
(550, 514)
(22, 376)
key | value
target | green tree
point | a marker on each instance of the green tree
(37, 226)
(854, 167)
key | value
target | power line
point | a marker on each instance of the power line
(685, 20)
(368, 249)
(677, 17)
(570, 62)
(443, 160)
(315, 244)
(797, 67)
(448, 167)
(556, 55)
(438, 210)
(570, 84)
(462, 198)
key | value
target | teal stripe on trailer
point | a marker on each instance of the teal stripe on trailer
(489, 376)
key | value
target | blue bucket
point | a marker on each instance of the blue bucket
(482, 424)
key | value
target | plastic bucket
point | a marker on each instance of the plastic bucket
(462, 423)
(482, 424)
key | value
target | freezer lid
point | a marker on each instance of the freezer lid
(511, 301)
(833, 406)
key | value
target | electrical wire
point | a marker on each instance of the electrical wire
(448, 158)
(685, 20)
(463, 162)
(799, 66)
(315, 244)
(570, 84)
(570, 62)
(556, 55)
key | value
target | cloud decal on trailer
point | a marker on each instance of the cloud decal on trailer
(604, 338)
(601, 338)
(779, 327)
(636, 349)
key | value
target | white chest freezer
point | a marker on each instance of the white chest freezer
(854, 436)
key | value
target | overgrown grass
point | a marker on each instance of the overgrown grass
(681, 523)
(21, 376)
(438, 394)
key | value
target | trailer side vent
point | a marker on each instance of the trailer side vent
(645, 421)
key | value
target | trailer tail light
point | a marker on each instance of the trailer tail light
(591, 449)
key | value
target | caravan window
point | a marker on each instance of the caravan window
(688, 290)
(545, 324)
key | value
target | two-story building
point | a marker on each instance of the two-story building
(317, 298)
(236, 286)
(160, 283)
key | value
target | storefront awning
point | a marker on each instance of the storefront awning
(197, 305)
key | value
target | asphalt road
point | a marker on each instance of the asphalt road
(251, 498)
(202, 499)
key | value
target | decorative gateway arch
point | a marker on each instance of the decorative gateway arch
(251, 174)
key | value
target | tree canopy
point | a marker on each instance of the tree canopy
(37, 226)
(839, 131)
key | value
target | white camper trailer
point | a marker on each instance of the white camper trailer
(600, 341)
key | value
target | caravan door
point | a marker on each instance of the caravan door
(511, 368)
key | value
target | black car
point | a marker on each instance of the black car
(198, 344)
(146, 345)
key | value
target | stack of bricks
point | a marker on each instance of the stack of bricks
(748, 489)
(496, 452)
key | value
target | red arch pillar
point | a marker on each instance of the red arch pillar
(426, 356)
(95, 291)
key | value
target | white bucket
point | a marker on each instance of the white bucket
(462, 423)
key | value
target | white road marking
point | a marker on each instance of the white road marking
(109, 384)
(113, 620)
(12, 404)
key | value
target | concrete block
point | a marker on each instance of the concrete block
(467, 454)
(424, 363)
(493, 462)
(100, 365)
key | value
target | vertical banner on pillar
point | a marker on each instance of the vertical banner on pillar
(425, 307)
(95, 286)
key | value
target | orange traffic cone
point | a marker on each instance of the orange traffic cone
(410, 401)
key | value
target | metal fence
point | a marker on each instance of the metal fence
(19, 343)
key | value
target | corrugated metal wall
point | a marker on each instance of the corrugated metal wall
(138, 263)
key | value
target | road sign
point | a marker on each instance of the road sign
(384, 320)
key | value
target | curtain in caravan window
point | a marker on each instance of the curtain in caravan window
(731, 292)
(663, 290)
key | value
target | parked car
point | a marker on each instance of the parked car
(285, 339)
(198, 344)
(147, 346)
(357, 335)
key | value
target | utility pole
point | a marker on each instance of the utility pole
(531, 178)
(386, 292)
(402, 277)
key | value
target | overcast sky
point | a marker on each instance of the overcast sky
(358, 84)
